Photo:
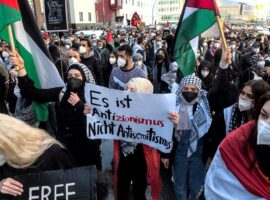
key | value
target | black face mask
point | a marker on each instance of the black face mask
(160, 57)
(189, 96)
(74, 84)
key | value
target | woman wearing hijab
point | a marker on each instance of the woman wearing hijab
(187, 165)
(25, 150)
(70, 114)
(160, 67)
(205, 74)
(137, 162)
(241, 166)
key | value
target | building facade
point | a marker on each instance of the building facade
(145, 9)
(230, 13)
(82, 13)
(169, 10)
(107, 10)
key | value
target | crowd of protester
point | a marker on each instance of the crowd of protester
(229, 88)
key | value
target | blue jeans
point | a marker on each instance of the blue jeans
(188, 173)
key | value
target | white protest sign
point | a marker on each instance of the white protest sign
(129, 116)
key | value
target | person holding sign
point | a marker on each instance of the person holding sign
(196, 119)
(23, 150)
(71, 111)
(137, 162)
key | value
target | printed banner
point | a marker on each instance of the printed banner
(129, 116)
(56, 15)
(71, 184)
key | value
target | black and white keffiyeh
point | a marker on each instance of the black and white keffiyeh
(260, 71)
(202, 118)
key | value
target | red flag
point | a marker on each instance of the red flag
(135, 19)
(167, 24)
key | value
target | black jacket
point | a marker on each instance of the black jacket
(71, 121)
(96, 68)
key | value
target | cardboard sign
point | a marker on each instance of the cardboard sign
(71, 184)
(56, 15)
(130, 116)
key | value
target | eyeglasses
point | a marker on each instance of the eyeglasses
(250, 96)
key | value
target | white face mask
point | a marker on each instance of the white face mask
(72, 61)
(112, 61)
(204, 73)
(233, 46)
(216, 45)
(5, 54)
(82, 50)
(263, 129)
(261, 64)
(159, 44)
(94, 44)
(244, 105)
(256, 50)
(67, 46)
(205, 44)
(139, 63)
(121, 62)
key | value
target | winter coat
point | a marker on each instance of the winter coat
(96, 68)
(71, 121)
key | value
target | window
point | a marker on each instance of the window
(81, 16)
(89, 17)
(133, 2)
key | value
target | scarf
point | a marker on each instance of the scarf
(200, 123)
(237, 118)
(260, 71)
(238, 160)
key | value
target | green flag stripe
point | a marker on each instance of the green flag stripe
(8, 15)
(185, 58)
(194, 25)
(41, 109)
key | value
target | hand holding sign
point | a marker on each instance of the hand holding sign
(11, 187)
(174, 117)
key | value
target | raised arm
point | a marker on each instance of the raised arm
(27, 87)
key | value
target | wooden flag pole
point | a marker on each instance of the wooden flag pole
(221, 32)
(11, 39)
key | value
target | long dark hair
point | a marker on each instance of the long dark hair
(262, 152)
(258, 88)
(166, 59)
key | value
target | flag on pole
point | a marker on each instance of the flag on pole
(110, 39)
(31, 46)
(167, 24)
(197, 16)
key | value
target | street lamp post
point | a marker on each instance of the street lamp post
(153, 12)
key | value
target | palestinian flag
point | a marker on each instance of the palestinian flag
(110, 39)
(31, 46)
(197, 17)
(136, 21)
